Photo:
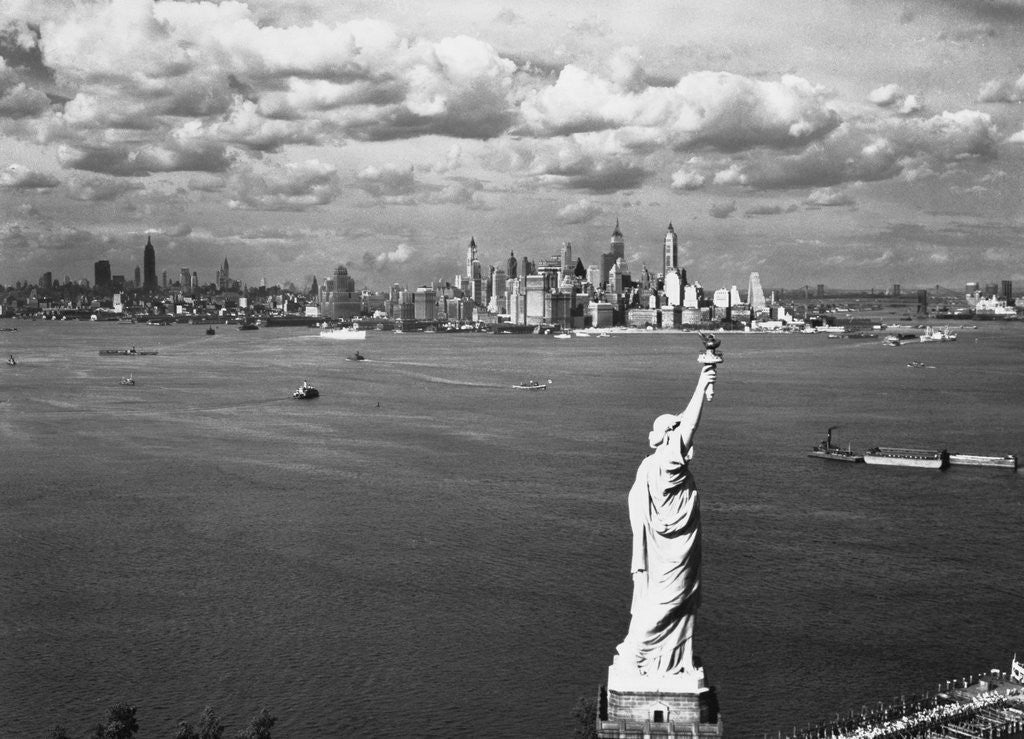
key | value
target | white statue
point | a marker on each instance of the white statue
(664, 514)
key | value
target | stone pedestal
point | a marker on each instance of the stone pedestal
(635, 706)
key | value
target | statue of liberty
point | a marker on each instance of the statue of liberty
(664, 515)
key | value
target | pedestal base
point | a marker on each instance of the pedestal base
(640, 706)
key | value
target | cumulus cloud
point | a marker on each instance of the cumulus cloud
(687, 179)
(770, 209)
(17, 98)
(399, 255)
(19, 177)
(582, 211)
(1017, 138)
(126, 161)
(387, 182)
(871, 153)
(718, 109)
(1002, 91)
(893, 96)
(828, 196)
(100, 188)
(722, 210)
(295, 186)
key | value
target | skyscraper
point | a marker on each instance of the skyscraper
(671, 258)
(149, 266)
(618, 244)
(755, 293)
(101, 273)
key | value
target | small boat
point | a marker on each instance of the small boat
(306, 392)
(827, 450)
(248, 326)
(531, 385)
(1008, 461)
(11, 360)
(129, 380)
(211, 331)
(357, 357)
(917, 365)
(935, 459)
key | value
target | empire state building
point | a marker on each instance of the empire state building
(149, 267)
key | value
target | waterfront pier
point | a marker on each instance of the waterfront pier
(989, 706)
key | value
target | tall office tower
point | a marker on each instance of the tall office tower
(566, 258)
(755, 293)
(186, 281)
(224, 276)
(101, 273)
(195, 280)
(163, 280)
(1006, 290)
(46, 281)
(510, 266)
(138, 276)
(618, 243)
(149, 266)
(499, 280)
(470, 257)
(525, 267)
(671, 258)
(314, 289)
(971, 288)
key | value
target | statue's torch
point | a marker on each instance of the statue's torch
(710, 356)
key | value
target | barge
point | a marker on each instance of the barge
(935, 459)
(1006, 461)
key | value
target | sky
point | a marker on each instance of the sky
(852, 143)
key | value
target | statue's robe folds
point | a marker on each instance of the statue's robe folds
(664, 514)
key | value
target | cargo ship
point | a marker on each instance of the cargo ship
(936, 459)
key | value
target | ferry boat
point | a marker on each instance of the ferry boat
(306, 392)
(1007, 461)
(343, 333)
(935, 459)
(826, 450)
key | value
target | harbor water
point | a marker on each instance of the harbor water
(425, 551)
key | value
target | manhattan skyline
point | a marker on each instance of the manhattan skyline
(845, 143)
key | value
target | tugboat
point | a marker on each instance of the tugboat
(211, 331)
(357, 357)
(306, 392)
(825, 450)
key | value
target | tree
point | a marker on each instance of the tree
(259, 726)
(121, 723)
(209, 727)
(585, 714)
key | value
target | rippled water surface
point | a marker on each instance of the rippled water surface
(454, 561)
